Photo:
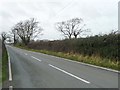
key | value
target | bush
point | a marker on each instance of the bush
(105, 46)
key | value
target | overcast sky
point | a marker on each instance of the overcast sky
(101, 16)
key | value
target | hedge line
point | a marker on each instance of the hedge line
(105, 46)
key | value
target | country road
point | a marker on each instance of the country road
(37, 70)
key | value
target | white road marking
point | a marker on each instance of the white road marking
(69, 74)
(10, 70)
(36, 58)
(10, 87)
(93, 66)
(25, 53)
(116, 71)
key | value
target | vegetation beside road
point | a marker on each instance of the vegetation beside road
(4, 63)
(0, 62)
(100, 50)
(105, 46)
(95, 60)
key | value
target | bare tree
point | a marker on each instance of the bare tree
(13, 36)
(73, 27)
(4, 36)
(65, 28)
(113, 31)
(27, 30)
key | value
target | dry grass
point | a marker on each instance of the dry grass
(94, 59)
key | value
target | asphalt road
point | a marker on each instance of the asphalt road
(36, 70)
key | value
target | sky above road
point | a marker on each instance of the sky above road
(101, 16)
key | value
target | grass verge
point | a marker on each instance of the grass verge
(4, 64)
(0, 71)
(94, 60)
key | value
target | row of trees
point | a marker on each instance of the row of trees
(23, 31)
(28, 30)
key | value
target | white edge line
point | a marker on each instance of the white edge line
(36, 58)
(80, 62)
(69, 74)
(10, 87)
(94, 66)
(25, 53)
(10, 70)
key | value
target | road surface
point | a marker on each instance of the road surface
(37, 70)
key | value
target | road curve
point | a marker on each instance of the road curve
(37, 70)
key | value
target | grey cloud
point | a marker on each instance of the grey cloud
(96, 13)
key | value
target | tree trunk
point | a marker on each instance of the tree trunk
(75, 36)
(70, 37)
(14, 39)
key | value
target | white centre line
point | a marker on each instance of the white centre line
(36, 58)
(69, 74)
(10, 70)
(26, 54)
(10, 87)
(93, 66)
